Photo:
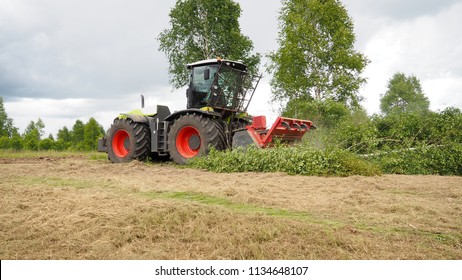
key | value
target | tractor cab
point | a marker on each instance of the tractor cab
(220, 85)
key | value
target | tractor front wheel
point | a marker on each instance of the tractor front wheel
(193, 135)
(128, 140)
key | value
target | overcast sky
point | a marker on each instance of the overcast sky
(75, 59)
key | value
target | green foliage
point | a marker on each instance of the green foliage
(301, 160)
(358, 137)
(346, 128)
(325, 114)
(446, 127)
(78, 136)
(46, 144)
(61, 145)
(6, 123)
(407, 143)
(410, 129)
(16, 143)
(32, 135)
(64, 134)
(424, 160)
(39, 126)
(316, 56)
(31, 139)
(4, 142)
(347, 142)
(64, 141)
(83, 137)
(204, 29)
(92, 132)
(404, 95)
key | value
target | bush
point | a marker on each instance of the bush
(410, 130)
(406, 143)
(300, 160)
(4, 142)
(360, 138)
(46, 144)
(424, 160)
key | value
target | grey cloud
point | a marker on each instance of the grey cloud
(74, 49)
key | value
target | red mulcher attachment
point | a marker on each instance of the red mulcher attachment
(284, 129)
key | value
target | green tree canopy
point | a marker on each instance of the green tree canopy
(325, 114)
(38, 126)
(92, 131)
(33, 134)
(78, 135)
(31, 138)
(404, 94)
(204, 29)
(6, 123)
(64, 134)
(316, 56)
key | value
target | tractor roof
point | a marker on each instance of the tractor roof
(234, 64)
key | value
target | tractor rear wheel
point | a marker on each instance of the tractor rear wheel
(128, 140)
(194, 135)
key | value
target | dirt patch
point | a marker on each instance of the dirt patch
(76, 208)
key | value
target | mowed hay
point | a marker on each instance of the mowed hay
(59, 224)
(74, 208)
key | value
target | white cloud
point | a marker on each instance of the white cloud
(72, 49)
(450, 86)
(428, 47)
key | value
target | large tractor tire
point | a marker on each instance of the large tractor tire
(193, 135)
(128, 140)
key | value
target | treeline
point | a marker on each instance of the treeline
(351, 143)
(82, 136)
(405, 138)
(400, 143)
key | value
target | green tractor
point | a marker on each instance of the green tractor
(216, 117)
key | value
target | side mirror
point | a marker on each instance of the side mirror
(206, 74)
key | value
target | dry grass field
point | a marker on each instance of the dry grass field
(74, 207)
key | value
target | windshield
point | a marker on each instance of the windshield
(226, 91)
(200, 84)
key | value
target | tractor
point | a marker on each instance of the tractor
(218, 96)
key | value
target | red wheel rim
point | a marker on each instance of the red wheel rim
(120, 143)
(182, 142)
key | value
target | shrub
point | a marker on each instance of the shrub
(4, 142)
(46, 144)
(425, 160)
(300, 160)
(360, 138)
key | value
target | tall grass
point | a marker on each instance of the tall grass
(8, 153)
